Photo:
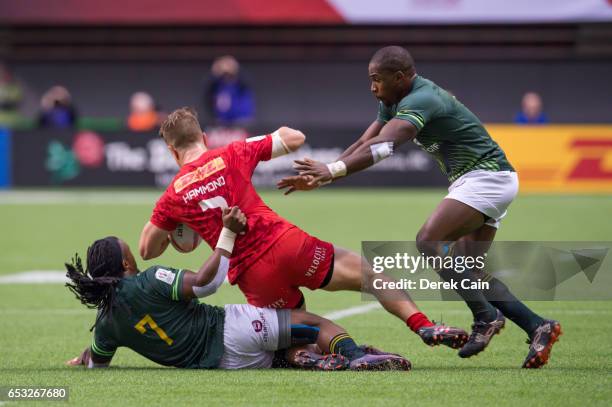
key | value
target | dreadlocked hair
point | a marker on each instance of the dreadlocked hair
(95, 286)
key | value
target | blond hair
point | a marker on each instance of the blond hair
(181, 128)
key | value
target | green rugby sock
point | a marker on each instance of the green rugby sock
(502, 299)
(481, 309)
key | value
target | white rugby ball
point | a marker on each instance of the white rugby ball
(184, 239)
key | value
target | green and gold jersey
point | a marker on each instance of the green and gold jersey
(151, 317)
(447, 130)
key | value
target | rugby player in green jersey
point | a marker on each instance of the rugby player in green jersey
(156, 314)
(482, 186)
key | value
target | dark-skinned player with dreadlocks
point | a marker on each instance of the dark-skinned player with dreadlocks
(483, 184)
(156, 313)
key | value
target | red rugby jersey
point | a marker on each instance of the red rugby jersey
(222, 178)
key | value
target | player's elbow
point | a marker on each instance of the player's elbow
(203, 280)
(145, 252)
(293, 139)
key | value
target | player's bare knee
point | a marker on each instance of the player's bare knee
(367, 283)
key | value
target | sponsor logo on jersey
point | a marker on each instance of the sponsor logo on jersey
(202, 189)
(264, 326)
(320, 254)
(199, 174)
(430, 149)
(164, 275)
(257, 325)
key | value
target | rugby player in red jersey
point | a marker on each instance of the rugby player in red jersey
(273, 258)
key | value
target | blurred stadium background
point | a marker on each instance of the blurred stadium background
(84, 85)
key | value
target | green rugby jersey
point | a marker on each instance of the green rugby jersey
(151, 317)
(447, 130)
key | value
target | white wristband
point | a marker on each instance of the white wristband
(226, 240)
(337, 169)
(381, 151)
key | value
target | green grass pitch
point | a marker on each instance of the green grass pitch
(42, 325)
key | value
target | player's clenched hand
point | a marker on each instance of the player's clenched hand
(234, 219)
(317, 170)
(296, 183)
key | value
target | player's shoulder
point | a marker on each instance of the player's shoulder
(241, 145)
(148, 281)
(424, 94)
(422, 89)
(160, 273)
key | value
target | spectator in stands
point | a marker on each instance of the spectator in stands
(57, 110)
(11, 96)
(144, 115)
(531, 110)
(228, 98)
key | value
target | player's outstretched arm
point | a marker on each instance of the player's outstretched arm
(153, 241)
(372, 131)
(214, 270)
(305, 183)
(393, 134)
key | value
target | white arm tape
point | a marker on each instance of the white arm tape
(212, 287)
(226, 240)
(337, 169)
(278, 145)
(381, 151)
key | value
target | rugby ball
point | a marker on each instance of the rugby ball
(184, 239)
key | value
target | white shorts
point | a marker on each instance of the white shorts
(489, 192)
(252, 334)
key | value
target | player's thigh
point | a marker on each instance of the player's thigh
(265, 285)
(252, 334)
(306, 260)
(347, 273)
(450, 220)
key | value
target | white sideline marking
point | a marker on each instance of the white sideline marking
(56, 276)
(349, 312)
(77, 197)
(334, 315)
(35, 277)
(364, 309)
(46, 311)
(42, 277)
